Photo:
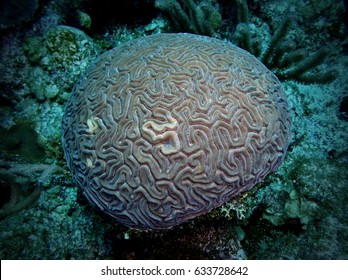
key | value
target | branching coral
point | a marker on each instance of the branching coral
(230, 209)
(188, 16)
(281, 55)
(20, 176)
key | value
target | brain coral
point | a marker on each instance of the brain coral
(167, 127)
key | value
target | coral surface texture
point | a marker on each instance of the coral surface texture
(165, 128)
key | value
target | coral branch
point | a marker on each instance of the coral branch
(276, 39)
(287, 62)
(188, 16)
(19, 177)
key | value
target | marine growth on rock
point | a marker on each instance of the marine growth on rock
(167, 127)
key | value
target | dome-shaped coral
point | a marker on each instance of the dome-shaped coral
(167, 127)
